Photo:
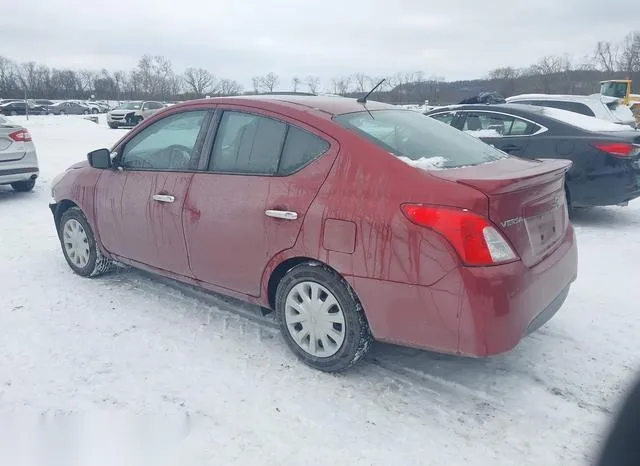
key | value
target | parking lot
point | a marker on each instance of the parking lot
(128, 343)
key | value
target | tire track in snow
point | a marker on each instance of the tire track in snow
(397, 370)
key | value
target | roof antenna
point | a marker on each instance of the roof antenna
(363, 100)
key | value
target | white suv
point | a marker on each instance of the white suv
(601, 107)
(18, 159)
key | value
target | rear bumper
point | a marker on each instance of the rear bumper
(606, 189)
(472, 311)
(11, 175)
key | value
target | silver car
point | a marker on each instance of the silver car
(132, 113)
(18, 159)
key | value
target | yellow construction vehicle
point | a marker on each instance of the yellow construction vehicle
(621, 89)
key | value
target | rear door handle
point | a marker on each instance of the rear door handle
(163, 198)
(283, 214)
(510, 148)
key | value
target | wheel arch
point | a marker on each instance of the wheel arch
(285, 265)
(61, 208)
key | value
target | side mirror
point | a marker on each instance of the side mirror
(100, 158)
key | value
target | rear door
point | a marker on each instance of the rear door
(140, 206)
(506, 132)
(263, 173)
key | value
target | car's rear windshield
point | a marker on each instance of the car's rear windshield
(418, 139)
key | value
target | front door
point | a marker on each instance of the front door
(157, 165)
(263, 174)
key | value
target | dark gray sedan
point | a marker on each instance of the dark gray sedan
(68, 108)
(605, 156)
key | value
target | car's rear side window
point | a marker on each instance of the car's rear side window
(247, 143)
(406, 133)
(300, 148)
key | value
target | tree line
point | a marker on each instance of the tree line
(154, 78)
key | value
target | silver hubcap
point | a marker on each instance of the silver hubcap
(314, 319)
(76, 243)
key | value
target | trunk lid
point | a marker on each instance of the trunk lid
(10, 150)
(527, 201)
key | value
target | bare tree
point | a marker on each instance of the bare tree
(296, 81)
(606, 56)
(362, 82)
(270, 81)
(313, 84)
(229, 87)
(199, 81)
(341, 85)
(629, 57)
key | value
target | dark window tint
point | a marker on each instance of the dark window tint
(575, 107)
(443, 117)
(247, 143)
(417, 137)
(168, 144)
(300, 148)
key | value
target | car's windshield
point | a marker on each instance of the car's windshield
(417, 137)
(131, 106)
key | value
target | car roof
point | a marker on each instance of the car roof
(564, 97)
(326, 104)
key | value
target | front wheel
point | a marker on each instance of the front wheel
(79, 245)
(23, 186)
(321, 319)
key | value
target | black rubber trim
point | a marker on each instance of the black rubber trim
(549, 311)
(18, 171)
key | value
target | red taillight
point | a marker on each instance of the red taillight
(21, 135)
(618, 149)
(474, 237)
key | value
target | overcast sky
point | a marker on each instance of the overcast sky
(456, 39)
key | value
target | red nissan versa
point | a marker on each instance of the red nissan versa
(352, 221)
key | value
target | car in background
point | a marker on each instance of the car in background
(19, 107)
(601, 107)
(132, 113)
(605, 156)
(40, 102)
(352, 221)
(67, 108)
(18, 158)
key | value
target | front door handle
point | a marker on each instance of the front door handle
(510, 148)
(163, 198)
(283, 214)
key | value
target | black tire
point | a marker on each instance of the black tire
(62, 112)
(85, 112)
(113, 125)
(357, 339)
(95, 111)
(97, 264)
(14, 113)
(23, 186)
(137, 120)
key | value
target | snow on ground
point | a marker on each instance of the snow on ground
(126, 344)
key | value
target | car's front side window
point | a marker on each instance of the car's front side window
(247, 143)
(169, 144)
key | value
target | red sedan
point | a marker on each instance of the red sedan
(353, 221)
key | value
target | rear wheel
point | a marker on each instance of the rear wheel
(23, 186)
(79, 245)
(113, 125)
(94, 111)
(321, 319)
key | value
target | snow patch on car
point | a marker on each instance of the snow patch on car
(582, 121)
(426, 163)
